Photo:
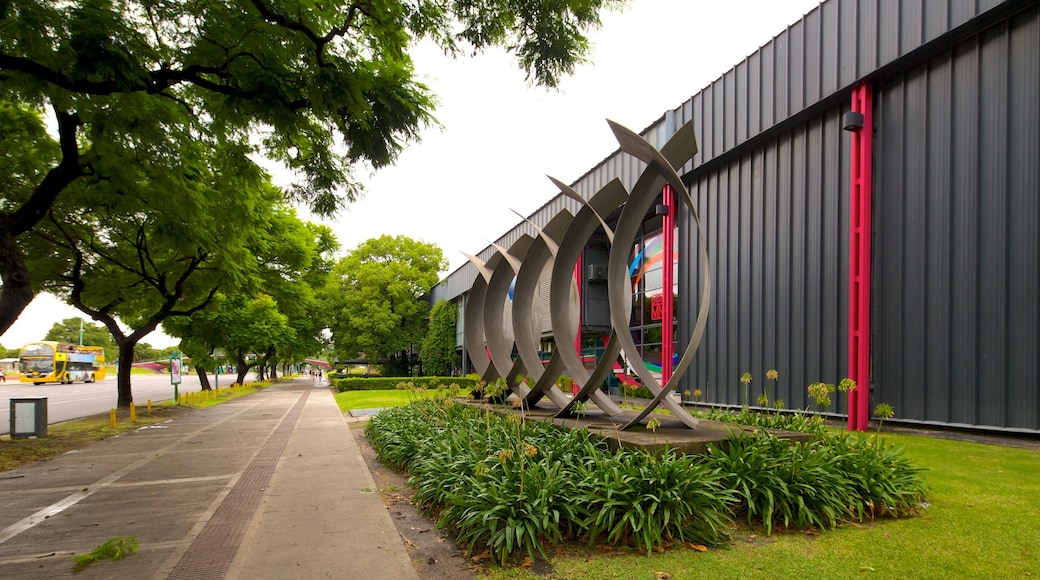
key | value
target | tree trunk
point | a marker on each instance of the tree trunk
(203, 378)
(241, 367)
(16, 292)
(126, 362)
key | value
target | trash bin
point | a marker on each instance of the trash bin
(28, 417)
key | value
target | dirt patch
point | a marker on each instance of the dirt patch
(434, 555)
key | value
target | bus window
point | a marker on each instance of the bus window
(44, 366)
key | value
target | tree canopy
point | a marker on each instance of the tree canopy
(293, 259)
(376, 296)
(135, 88)
(92, 334)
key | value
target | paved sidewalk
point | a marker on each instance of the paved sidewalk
(267, 486)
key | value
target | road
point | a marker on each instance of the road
(67, 402)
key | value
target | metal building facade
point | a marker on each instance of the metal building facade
(776, 221)
(955, 292)
(955, 298)
(957, 207)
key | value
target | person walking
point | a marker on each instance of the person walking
(3, 376)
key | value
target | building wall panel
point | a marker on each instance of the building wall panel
(776, 233)
(956, 282)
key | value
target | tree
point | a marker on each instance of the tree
(376, 296)
(132, 262)
(438, 347)
(293, 258)
(317, 87)
(73, 329)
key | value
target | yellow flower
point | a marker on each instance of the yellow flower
(505, 455)
(530, 450)
(772, 375)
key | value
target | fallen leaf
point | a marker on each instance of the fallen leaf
(485, 555)
(526, 563)
(699, 547)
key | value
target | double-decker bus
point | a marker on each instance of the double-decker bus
(60, 362)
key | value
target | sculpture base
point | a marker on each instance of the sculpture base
(671, 433)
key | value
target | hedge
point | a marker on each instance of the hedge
(391, 383)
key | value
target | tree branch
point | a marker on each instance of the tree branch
(57, 179)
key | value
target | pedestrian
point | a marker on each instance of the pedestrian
(3, 376)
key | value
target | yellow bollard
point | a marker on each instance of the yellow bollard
(133, 413)
(149, 406)
(112, 418)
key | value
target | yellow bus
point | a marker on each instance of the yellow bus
(60, 362)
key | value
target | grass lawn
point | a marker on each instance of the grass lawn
(351, 400)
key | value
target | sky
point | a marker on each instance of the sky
(499, 136)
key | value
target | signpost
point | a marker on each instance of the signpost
(175, 374)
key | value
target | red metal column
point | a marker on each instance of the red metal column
(860, 168)
(667, 265)
(577, 341)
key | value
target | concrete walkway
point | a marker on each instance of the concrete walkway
(267, 486)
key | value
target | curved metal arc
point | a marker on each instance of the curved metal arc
(569, 192)
(590, 390)
(695, 340)
(658, 172)
(514, 263)
(474, 331)
(480, 265)
(563, 310)
(498, 332)
(548, 241)
(527, 316)
(546, 384)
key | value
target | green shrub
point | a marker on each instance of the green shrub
(883, 480)
(831, 479)
(512, 486)
(391, 383)
(647, 499)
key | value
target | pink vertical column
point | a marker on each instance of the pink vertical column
(577, 341)
(860, 168)
(667, 282)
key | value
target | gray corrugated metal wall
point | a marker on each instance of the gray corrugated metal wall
(956, 294)
(814, 60)
(776, 221)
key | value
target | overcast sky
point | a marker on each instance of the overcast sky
(500, 137)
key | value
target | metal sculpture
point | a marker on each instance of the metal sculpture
(558, 247)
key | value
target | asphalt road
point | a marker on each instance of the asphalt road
(67, 402)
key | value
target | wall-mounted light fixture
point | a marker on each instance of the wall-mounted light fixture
(852, 121)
